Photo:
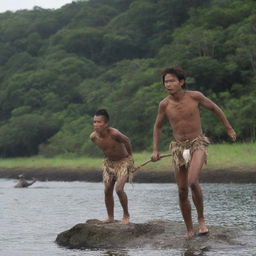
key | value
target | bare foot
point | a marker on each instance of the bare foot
(125, 220)
(190, 234)
(203, 230)
(203, 233)
(109, 220)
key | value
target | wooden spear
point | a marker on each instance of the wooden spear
(148, 161)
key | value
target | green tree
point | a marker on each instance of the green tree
(85, 42)
(22, 135)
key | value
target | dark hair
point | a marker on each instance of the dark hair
(176, 71)
(102, 112)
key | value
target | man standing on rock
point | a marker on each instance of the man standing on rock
(118, 163)
(189, 150)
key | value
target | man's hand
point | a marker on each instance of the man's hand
(155, 156)
(232, 134)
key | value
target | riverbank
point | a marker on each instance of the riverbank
(245, 174)
(226, 163)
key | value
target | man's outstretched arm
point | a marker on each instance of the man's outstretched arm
(207, 103)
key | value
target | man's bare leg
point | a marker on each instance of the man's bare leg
(123, 199)
(185, 207)
(109, 201)
(197, 195)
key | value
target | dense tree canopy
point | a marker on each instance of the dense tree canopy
(58, 66)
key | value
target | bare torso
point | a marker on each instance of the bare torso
(112, 148)
(181, 108)
(184, 116)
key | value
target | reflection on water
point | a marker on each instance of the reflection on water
(191, 252)
(115, 253)
(187, 252)
(31, 218)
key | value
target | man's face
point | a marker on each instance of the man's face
(99, 123)
(172, 83)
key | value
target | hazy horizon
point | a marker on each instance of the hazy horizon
(14, 5)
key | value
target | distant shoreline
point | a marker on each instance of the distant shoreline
(245, 174)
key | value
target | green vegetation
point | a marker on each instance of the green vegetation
(221, 156)
(58, 66)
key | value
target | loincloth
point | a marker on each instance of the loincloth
(182, 151)
(112, 170)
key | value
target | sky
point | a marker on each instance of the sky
(14, 5)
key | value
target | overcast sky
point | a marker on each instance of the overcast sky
(14, 5)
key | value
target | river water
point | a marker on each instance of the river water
(31, 218)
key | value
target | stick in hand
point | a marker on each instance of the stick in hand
(148, 161)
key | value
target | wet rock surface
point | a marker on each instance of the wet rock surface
(159, 234)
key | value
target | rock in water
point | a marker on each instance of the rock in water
(154, 234)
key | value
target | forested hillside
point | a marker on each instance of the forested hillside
(58, 66)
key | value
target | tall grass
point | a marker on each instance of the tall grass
(220, 156)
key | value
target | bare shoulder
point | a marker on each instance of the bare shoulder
(116, 134)
(195, 95)
(163, 103)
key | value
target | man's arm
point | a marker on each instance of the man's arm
(123, 139)
(30, 183)
(207, 103)
(158, 131)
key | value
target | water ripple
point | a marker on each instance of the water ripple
(31, 218)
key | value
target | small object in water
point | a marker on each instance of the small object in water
(22, 183)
